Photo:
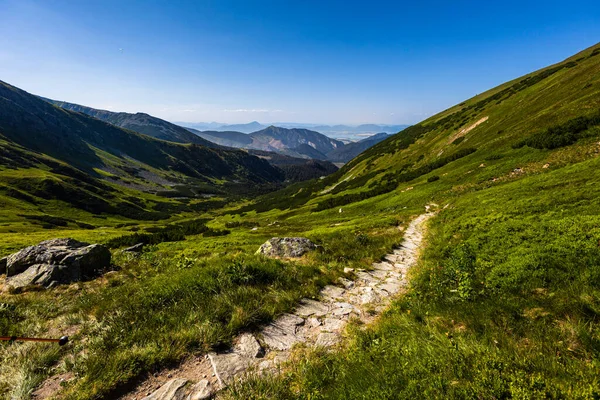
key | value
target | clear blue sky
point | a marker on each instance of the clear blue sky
(301, 61)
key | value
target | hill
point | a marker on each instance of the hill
(138, 122)
(51, 154)
(225, 138)
(220, 127)
(351, 150)
(505, 296)
(302, 143)
(503, 303)
(296, 169)
(349, 132)
(274, 138)
(161, 129)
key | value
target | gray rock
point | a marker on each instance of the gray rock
(228, 366)
(327, 339)
(366, 277)
(56, 261)
(282, 333)
(286, 247)
(379, 274)
(341, 308)
(332, 325)
(310, 307)
(248, 346)
(172, 390)
(136, 248)
(347, 283)
(46, 252)
(201, 390)
(384, 266)
(369, 297)
(312, 322)
(391, 288)
(332, 292)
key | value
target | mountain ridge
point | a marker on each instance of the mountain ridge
(140, 122)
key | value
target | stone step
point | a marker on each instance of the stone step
(172, 390)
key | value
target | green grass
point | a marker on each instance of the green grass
(505, 302)
(177, 298)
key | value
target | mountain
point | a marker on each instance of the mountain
(220, 127)
(138, 122)
(161, 129)
(302, 143)
(276, 139)
(225, 138)
(307, 150)
(506, 290)
(349, 132)
(52, 153)
(244, 128)
(354, 132)
(353, 149)
(297, 169)
(503, 301)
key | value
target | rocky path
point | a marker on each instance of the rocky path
(313, 323)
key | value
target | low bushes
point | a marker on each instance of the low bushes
(561, 135)
(169, 233)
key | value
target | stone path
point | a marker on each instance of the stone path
(313, 323)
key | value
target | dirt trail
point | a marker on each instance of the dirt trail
(313, 323)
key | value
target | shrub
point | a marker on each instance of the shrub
(458, 140)
(561, 135)
(169, 233)
(433, 178)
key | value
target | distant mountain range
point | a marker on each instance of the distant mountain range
(351, 150)
(337, 131)
(54, 158)
(300, 143)
(293, 142)
(161, 129)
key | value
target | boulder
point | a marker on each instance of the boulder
(56, 261)
(47, 252)
(286, 247)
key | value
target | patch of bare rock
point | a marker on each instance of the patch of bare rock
(54, 262)
(318, 323)
(286, 247)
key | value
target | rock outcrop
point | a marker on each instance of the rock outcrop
(287, 247)
(56, 261)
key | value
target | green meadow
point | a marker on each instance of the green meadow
(504, 303)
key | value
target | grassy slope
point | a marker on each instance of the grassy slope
(139, 122)
(57, 164)
(528, 330)
(506, 300)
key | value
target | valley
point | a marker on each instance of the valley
(458, 257)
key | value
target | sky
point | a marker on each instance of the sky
(349, 62)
